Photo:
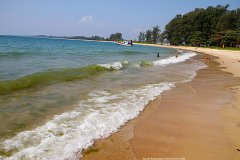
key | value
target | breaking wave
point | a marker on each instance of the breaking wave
(56, 76)
(175, 59)
(66, 135)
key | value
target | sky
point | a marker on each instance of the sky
(93, 17)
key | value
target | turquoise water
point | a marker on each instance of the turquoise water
(57, 92)
(21, 56)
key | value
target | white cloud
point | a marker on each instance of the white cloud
(86, 19)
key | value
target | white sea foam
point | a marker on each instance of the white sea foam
(180, 51)
(180, 58)
(66, 135)
(191, 73)
(114, 65)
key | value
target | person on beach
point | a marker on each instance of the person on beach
(158, 55)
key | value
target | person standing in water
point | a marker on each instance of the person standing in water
(158, 55)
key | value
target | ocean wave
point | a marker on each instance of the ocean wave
(175, 59)
(66, 135)
(64, 75)
(145, 63)
(183, 56)
(180, 51)
(54, 76)
(114, 65)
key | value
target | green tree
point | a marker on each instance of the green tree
(155, 34)
(141, 37)
(231, 38)
(172, 30)
(148, 36)
(204, 27)
(162, 37)
(116, 37)
(227, 21)
(198, 39)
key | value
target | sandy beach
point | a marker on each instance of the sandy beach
(90, 81)
(196, 120)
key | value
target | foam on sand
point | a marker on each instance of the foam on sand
(66, 135)
(181, 57)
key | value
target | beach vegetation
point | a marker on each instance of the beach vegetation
(113, 37)
(150, 36)
(95, 38)
(142, 37)
(198, 38)
(155, 34)
(213, 26)
(116, 37)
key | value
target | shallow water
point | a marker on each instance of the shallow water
(57, 96)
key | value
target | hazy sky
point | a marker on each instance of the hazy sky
(93, 17)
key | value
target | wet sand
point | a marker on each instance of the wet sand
(198, 120)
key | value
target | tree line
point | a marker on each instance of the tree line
(113, 37)
(213, 26)
(150, 36)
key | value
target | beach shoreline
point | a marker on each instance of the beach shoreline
(172, 126)
(228, 59)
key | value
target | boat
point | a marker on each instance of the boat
(125, 43)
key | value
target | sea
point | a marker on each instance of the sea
(58, 96)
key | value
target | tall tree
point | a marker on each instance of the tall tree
(141, 37)
(162, 37)
(155, 34)
(148, 36)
